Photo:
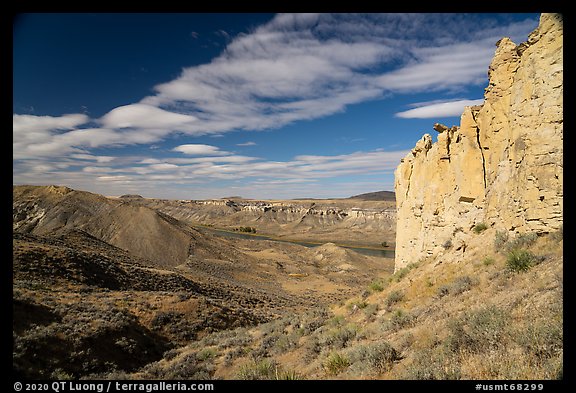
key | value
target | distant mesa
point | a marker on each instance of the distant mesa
(132, 196)
(376, 196)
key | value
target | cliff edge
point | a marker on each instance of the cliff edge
(502, 167)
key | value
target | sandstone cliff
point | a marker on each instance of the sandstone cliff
(502, 166)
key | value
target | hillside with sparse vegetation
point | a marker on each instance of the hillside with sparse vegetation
(482, 318)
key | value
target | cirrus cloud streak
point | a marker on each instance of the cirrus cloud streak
(295, 67)
(425, 110)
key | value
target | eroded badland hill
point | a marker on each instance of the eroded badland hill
(137, 288)
(362, 221)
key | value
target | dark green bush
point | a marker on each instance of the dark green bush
(246, 229)
(377, 285)
(480, 227)
(520, 260)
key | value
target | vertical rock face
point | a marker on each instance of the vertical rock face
(502, 166)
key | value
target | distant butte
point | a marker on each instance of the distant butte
(376, 196)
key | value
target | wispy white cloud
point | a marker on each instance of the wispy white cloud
(435, 109)
(250, 143)
(199, 149)
(308, 167)
(206, 169)
(143, 116)
(32, 135)
(296, 67)
(114, 178)
(90, 157)
(306, 66)
(23, 125)
(442, 68)
(199, 160)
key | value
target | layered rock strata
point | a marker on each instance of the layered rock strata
(502, 166)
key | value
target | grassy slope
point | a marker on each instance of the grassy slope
(474, 319)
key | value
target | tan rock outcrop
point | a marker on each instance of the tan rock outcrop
(502, 166)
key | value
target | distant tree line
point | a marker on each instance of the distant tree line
(246, 229)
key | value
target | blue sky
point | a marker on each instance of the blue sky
(194, 106)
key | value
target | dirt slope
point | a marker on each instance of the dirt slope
(144, 232)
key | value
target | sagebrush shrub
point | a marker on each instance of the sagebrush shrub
(394, 297)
